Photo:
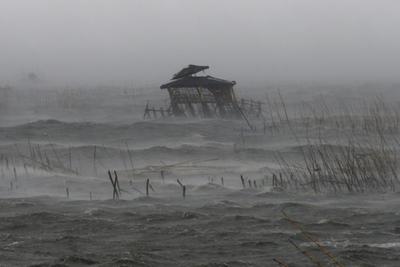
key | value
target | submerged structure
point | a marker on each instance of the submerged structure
(203, 96)
(192, 95)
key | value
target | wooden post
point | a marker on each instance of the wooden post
(190, 107)
(243, 183)
(38, 152)
(146, 111)
(176, 111)
(116, 181)
(15, 174)
(26, 170)
(48, 162)
(67, 191)
(162, 176)
(183, 188)
(222, 181)
(114, 184)
(147, 187)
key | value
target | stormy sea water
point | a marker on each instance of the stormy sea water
(56, 206)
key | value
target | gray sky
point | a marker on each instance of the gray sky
(146, 41)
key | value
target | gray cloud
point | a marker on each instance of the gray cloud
(145, 41)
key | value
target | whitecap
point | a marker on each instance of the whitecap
(386, 245)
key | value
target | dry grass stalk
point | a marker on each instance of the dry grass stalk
(280, 262)
(323, 249)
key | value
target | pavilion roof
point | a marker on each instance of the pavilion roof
(189, 70)
(199, 82)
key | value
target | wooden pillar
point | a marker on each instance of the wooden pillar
(204, 107)
(190, 107)
(176, 111)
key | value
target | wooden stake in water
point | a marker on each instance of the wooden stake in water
(147, 187)
(243, 183)
(67, 191)
(162, 176)
(117, 182)
(183, 188)
(114, 185)
(26, 170)
(15, 174)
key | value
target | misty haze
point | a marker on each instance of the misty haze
(199, 133)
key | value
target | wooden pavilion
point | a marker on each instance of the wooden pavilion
(204, 96)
